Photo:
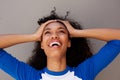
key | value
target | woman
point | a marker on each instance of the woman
(55, 39)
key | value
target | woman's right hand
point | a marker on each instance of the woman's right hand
(8, 40)
(39, 32)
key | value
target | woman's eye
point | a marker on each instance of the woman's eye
(47, 32)
(62, 31)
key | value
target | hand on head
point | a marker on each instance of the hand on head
(39, 32)
(69, 27)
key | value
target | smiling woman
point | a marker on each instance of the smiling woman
(62, 51)
(78, 45)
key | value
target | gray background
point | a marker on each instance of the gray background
(20, 17)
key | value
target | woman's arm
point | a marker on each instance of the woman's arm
(12, 39)
(104, 34)
(15, 68)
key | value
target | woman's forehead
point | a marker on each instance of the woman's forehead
(55, 25)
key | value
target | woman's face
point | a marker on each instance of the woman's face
(55, 40)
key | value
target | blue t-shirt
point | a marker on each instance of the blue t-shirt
(87, 70)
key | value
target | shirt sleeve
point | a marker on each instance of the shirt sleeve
(106, 55)
(92, 66)
(16, 68)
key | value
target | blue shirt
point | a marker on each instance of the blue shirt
(87, 70)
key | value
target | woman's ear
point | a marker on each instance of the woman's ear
(41, 45)
(69, 43)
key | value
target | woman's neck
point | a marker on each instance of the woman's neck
(56, 64)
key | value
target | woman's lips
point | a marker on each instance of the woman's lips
(55, 44)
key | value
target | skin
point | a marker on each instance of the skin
(104, 34)
(56, 60)
(56, 56)
(13, 39)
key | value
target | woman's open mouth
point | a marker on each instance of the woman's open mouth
(55, 44)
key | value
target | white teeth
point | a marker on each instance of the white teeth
(53, 43)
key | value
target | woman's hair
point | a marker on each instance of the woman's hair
(77, 53)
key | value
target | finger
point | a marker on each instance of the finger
(60, 20)
(42, 27)
(50, 21)
(64, 22)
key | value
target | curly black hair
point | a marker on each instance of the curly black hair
(77, 53)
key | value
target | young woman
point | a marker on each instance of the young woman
(61, 51)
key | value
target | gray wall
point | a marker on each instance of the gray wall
(20, 16)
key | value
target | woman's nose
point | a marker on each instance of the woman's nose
(54, 36)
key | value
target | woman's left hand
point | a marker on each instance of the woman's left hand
(69, 27)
